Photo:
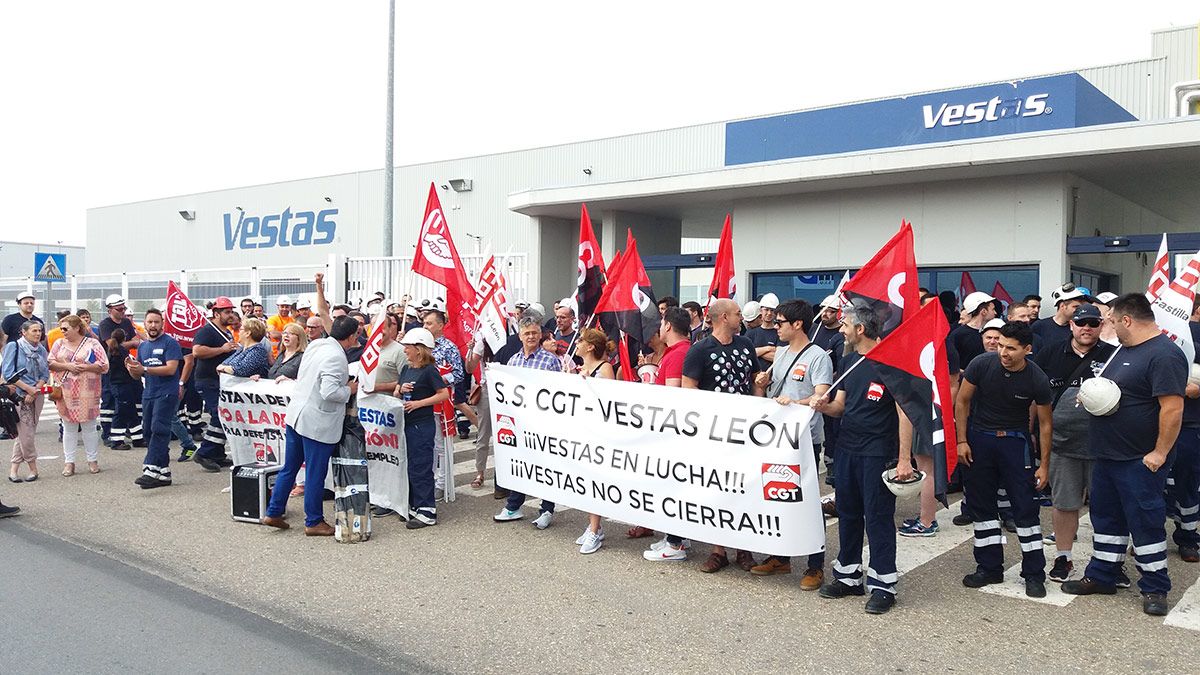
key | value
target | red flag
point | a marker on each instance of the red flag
(613, 265)
(627, 372)
(999, 293)
(966, 286)
(590, 284)
(888, 282)
(437, 259)
(629, 299)
(912, 362)
(181, 318)
(369, 358)
(724, 282)
(1161, 274)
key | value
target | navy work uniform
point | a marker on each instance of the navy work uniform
(1002, 456)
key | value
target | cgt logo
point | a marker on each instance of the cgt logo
(506, 430)
(993, 109)
(781, 482)
(303, 228)
(874, 391)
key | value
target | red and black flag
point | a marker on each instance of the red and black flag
(628, 299)
(912, 363)
(724, 282)
(591, 269)
(888, 282)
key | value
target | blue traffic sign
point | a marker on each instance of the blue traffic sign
(49, 266)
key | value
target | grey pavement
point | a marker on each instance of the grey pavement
(470, 595)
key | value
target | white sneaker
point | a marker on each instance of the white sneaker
(543, 520)
(591, 542)
(665, 553)
(505, 515)
(583, 537)
(661, 543)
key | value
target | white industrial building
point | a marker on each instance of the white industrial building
(1030, 182)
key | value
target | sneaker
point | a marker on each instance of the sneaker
(663, 553)
(880, 602)
(1049, 539)
(1062, 569)
(225, 463)
(1122, 579)
(1189, 554)
(836, 589)
(9, 511)
(543, 520)
(686, 544)
(586, 532)
(152, 483)
(1087, 586)
(918, 529)
(961, 520)
(380, 512)
(505, 515)
(812, 579)
(209, 465)
(185, 455)
(416, 523)
(592, 542)
(1035, 588)
(771, 566)
(979, 579)
(909, 521)
(122, 446)
(1154, 604)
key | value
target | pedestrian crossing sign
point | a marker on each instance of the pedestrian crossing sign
(50, 266)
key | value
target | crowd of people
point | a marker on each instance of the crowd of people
(1024, 441)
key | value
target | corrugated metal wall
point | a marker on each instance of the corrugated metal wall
(1137, 86)
(1181, 46)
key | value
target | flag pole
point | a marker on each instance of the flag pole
(848, 371)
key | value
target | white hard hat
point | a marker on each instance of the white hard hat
(417, 336)
(994, 323)
(769, 301)
(1194, 374)
(1105, 298)
(114, 300)
(831, 302)
(1100, 396)
(751, 310)
(974, 300)
(284, 300)
(907, 488)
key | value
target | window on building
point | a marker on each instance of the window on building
(1018, 281)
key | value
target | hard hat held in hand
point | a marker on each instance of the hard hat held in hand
(1100, 396)
(1194, 374)
(907, 488)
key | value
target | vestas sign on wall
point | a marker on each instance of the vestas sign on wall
(302, 228)
(1044, 103)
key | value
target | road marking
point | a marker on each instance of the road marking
(1014, 585)
(1186, 612)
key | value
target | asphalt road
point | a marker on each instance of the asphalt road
(471, 595)
(71, 610)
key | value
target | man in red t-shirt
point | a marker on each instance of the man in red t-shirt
(675, 331)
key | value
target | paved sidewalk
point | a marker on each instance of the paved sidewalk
(471, 595)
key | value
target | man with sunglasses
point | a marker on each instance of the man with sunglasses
(801, 371)
(1054, 329)
(1068, 364)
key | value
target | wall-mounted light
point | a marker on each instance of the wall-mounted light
(187, 215)
(462, 184)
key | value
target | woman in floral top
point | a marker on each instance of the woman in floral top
(78, 361)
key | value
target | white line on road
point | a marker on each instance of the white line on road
(1014, 585)
(1186, 612)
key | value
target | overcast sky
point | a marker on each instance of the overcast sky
(119, 101)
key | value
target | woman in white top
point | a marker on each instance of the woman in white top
(594, 348)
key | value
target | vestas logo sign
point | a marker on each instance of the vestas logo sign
(302, 228)
(991, 110)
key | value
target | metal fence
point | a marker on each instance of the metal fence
(358, 278)
(394, 276)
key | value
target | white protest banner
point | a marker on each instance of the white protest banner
(253, 415)
(382, 418)
(731, 470)
(1172, 311)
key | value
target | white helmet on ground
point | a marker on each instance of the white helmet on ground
(1100, 396)
(907, 488)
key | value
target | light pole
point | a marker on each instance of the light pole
(387, 166)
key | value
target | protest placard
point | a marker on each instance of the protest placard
(731, 470)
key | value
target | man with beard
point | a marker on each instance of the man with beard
(158, 359)
(212, 344)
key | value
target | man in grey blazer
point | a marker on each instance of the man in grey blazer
(315, 416)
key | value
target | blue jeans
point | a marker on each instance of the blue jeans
(157, 414)
(314, 455)
(180, 433)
